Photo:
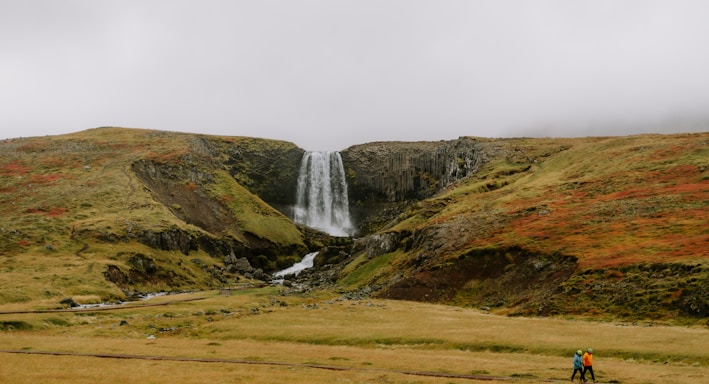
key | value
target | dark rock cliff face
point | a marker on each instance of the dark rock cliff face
(397, 171)
(267, 168)
(511, 277)
(382, 177)
(271, 172)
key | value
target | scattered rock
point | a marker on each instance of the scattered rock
(238, 265)
(70, 302)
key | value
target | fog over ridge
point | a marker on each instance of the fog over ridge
(330, 74)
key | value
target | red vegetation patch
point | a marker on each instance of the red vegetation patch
(191, 186)
(8, 190)
(44, 179)
(679, 179)
(56, 211)
(55, 162)
(14, 169)
(614, 274)
(684, 170)
(657, 218)
(669, 152)
(47, 211)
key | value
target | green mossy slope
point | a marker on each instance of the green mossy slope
(74, 205)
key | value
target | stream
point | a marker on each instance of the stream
(142, 297)
(296, 268)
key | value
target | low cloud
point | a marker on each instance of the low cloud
(330, 74)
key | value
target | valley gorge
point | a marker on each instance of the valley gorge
(516, 226)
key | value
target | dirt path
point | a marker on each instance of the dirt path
(279, 363)
(105, 308)
(252, 362)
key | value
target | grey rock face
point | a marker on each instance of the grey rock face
(398, 171)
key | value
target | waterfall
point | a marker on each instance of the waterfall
(321, 200)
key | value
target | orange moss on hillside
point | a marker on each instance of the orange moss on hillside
(44, 179)
(621, 228)
(56, 211)
(621, 205)
(14, 168)
(47, 211)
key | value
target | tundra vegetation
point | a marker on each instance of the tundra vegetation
(512, 254)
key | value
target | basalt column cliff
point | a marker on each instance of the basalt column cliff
(383, 176)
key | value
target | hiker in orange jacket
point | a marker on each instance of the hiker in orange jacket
(588, 364)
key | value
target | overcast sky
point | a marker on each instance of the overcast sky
(328, 74)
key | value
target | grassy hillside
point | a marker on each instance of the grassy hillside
(608, 201)
(606, 226)
(73, 205)
(615, 225)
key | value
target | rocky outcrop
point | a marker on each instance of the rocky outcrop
(398, 171)
(170, 240)
(238, 265)
(511, 277)
(384, 177)
(141, 271)
(376, 245)
(638, 290)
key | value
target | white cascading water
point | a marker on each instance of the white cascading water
(295, 269)
(321, 200)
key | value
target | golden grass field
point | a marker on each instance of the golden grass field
(270, 336)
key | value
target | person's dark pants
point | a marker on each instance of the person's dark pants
(580, 371)
(588, 368)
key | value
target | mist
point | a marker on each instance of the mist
(330, 74)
